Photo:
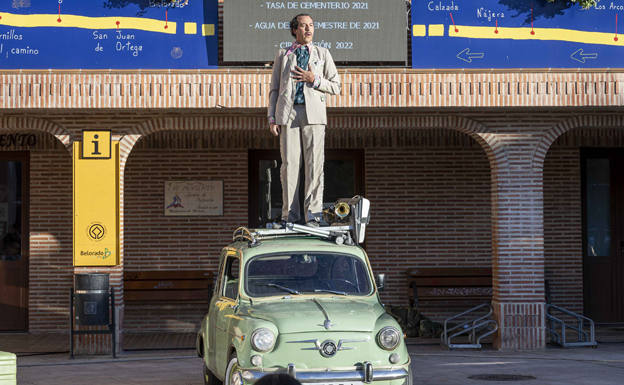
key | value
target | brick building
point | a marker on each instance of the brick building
(463, 168)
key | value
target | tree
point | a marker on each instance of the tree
(582, 3)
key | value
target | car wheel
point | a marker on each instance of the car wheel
(209, 378)
(233, 374)
(409, 380)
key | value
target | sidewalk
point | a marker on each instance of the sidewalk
(582, 366)
(430, 364)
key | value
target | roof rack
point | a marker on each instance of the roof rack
(355, 211)
(339, 234)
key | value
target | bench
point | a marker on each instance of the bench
(168, 286)
(449, 284)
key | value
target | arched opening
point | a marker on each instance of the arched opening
(429, 186)
(35, 231)
(582, 227)
(177, 242)
(430, 189)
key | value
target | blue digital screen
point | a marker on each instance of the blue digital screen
(516, 34)
(108, 34)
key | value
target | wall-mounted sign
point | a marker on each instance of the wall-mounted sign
(364, 31)
(96, 144)
(115, 34)
(18, 140)
(193, 198)
(96, 208)
(516, 34)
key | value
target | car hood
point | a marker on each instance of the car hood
(292, 315)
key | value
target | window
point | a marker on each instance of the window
(230, 277)
(344, 178)
(598, 207)
(305, 273)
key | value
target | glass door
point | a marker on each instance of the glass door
(603, 234)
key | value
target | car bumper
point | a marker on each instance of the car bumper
(366, 374)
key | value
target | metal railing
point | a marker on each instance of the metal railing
(339, 234)
(557, 328)
(473, 326)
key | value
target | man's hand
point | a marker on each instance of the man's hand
(275, 129)
(302, 75)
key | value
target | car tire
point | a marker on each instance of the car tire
(233, 375)
(409, 380)
(209, 378)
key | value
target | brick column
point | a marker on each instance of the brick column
(517, 243)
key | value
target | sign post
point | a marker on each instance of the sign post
(96, 200)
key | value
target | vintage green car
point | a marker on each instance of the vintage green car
(300, 305)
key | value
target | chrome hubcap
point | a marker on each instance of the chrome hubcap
(235, 375)
(235, 378)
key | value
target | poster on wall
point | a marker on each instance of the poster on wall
(516, 34)
(108, 34)
(194, 198)
(353, 31)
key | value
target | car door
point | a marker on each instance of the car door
(213, 312)
(224, 308)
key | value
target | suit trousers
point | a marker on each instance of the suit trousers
(302, 143)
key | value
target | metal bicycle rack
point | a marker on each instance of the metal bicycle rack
(476, 327)
(557, 327)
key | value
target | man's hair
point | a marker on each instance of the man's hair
(278, 379)
(294, 23)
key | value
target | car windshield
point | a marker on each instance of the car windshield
(305, 273)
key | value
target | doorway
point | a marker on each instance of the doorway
(344, 178)
(14, 171)
(603, 234)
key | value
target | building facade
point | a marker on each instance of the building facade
(463, 170)
(513, 170)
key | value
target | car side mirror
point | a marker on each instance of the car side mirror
(380, 281)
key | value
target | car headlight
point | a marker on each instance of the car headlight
(388, 338)
(262, 340)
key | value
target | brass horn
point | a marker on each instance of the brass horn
(337, 212)
(342, 209)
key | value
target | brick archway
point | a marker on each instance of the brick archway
(582, 121)
(28, 123)
(254, 122)
(354, 126)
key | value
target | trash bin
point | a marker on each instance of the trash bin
(92, 303)
(92, 299)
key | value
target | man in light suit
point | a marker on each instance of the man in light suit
(303, 76)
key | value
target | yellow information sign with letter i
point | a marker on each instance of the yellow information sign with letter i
(96, 199)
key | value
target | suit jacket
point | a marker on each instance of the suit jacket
(282, 93)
